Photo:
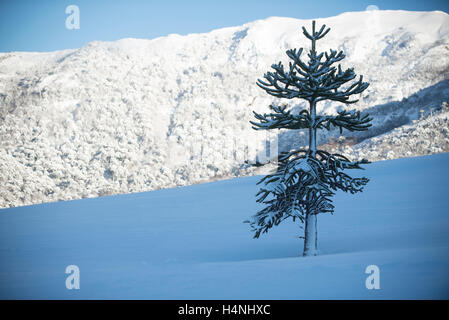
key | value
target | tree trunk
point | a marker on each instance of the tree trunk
(312, 130)
(310, 233)
(310, 236)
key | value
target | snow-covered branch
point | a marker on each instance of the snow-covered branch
(352, 121)
(281, 118)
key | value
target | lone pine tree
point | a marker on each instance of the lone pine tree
(306, 179)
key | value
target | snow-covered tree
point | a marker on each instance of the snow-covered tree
(306, 179)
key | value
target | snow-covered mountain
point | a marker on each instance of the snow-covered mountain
(138, 114)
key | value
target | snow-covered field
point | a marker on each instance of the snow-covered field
(190, 243)
(106, 118)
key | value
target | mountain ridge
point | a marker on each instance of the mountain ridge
(138, 114)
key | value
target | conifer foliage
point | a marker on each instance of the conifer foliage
(306, 179)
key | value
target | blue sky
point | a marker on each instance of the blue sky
(40, 25)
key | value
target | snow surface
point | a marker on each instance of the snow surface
(136, 114)
(190, 243)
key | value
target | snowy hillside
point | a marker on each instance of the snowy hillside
(190, 243)
(137, 114)
(426, 135)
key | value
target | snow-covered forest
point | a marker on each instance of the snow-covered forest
(136, 114)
